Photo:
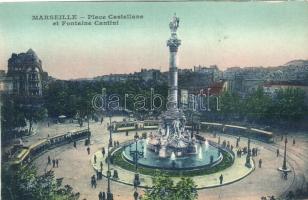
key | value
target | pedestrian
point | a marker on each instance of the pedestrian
(92, 182)
(57, 163)
(97, 175)
(49, 160)
(75, 144)
(277, 152)
(104, 196)
(95, 183)
(126, 133)
(88, 150)
(260, 163)
(102, 166)
(221, 178)
(53, 163)
(118, 143)
(293, 141)
(136, 195)
(100, 196)
(103, 151)
(102, 119)
(94, 159)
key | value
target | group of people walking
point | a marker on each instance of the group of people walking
(55, 162)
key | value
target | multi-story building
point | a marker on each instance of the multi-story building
(149, 74)
(271, 88)
(212, 71)
(248, 79)
(26, 73)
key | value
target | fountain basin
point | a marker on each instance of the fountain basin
(152, 159)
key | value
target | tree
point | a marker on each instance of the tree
(257, 105)
(164, 189)
(186, 189)
(231, 105)
(24, 183)
(289, 105)
(12, 116)
(34, 113)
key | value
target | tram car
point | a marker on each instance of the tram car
(125, 126)
(150, 124)
(26, 154)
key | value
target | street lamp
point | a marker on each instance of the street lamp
(88, 125)
(248, 164)
(136, 155)
(110, 132)
(284, 163)
(109, 194)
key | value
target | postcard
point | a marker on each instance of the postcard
(154, 100)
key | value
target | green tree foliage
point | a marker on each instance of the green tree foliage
(289, 105)
(15, 112)
(25, 184)
(285, 105)
(186, 189)
(231, 104)
(69, 97)
(12, 116)
(164, 189)
(257, 105)
(34, 114)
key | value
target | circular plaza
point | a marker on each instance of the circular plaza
(77, 165)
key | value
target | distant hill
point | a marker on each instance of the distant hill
(297, 63)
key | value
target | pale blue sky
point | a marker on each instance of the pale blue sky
(223, 33)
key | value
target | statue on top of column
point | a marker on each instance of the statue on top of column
(174, 23)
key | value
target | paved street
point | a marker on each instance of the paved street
(76, 168)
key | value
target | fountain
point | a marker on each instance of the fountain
(172, 157)
(206, 143)
(172, 142)
(200, 154)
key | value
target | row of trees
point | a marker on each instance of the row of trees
(286, 105)
(68, 97)
(72, 97)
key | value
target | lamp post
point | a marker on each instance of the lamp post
(284, 164)
(248, 164)
(284, 167)
(109, 194)
(136, 155)
(88, 125)
(110, 132)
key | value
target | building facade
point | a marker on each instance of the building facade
(26, 73)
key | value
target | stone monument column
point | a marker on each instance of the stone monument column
(173, 43)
